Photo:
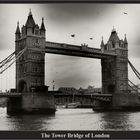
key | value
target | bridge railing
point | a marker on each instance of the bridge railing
(9, 94)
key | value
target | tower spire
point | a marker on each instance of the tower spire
(113, 30)
(30, 21)
(114, 37)
(42, 25)
(18, 29)
(125, 40)
(30, 12)
(102, 42)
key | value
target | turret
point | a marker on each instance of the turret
(113, 40)
(42, 28)
(102, 45)
(125, 42)
(30, 24)
(17, 33)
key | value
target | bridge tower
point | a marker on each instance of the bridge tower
(30, 68)
(115, 70)
(30, 71)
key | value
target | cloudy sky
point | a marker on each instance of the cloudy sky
(62, 20)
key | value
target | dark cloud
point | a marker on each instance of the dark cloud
(69, 13)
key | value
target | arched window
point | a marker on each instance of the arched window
(36, 32)
(37, 40)
(113, 45)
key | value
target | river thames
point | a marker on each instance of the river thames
(71, 119)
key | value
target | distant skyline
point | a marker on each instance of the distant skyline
(61, 21)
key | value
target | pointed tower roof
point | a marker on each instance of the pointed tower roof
(114, 37)
(42, 25)
(30, 21)
(102, 42)
(125, 40)
(18, 29)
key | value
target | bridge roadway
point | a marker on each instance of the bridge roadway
(95, 96)
(8, 94)
(75, 50)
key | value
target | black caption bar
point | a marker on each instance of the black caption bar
(69, 134)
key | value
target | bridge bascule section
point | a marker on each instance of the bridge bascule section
(29, 56)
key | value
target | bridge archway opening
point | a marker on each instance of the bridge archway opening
(22, 86)
(65, 69)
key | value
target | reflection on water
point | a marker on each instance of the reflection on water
(72, 119)
(116, 120)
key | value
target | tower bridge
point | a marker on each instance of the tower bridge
(30, 49)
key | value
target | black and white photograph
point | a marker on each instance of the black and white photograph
(70, 66)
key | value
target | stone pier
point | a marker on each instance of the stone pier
(32, 103)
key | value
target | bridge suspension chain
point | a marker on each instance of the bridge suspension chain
(134, 87)
(5, 65)
(134, 70)
(6, 60)
(10, 60)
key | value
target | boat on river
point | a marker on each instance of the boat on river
(73, 105)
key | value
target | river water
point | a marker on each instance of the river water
(72, 119)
